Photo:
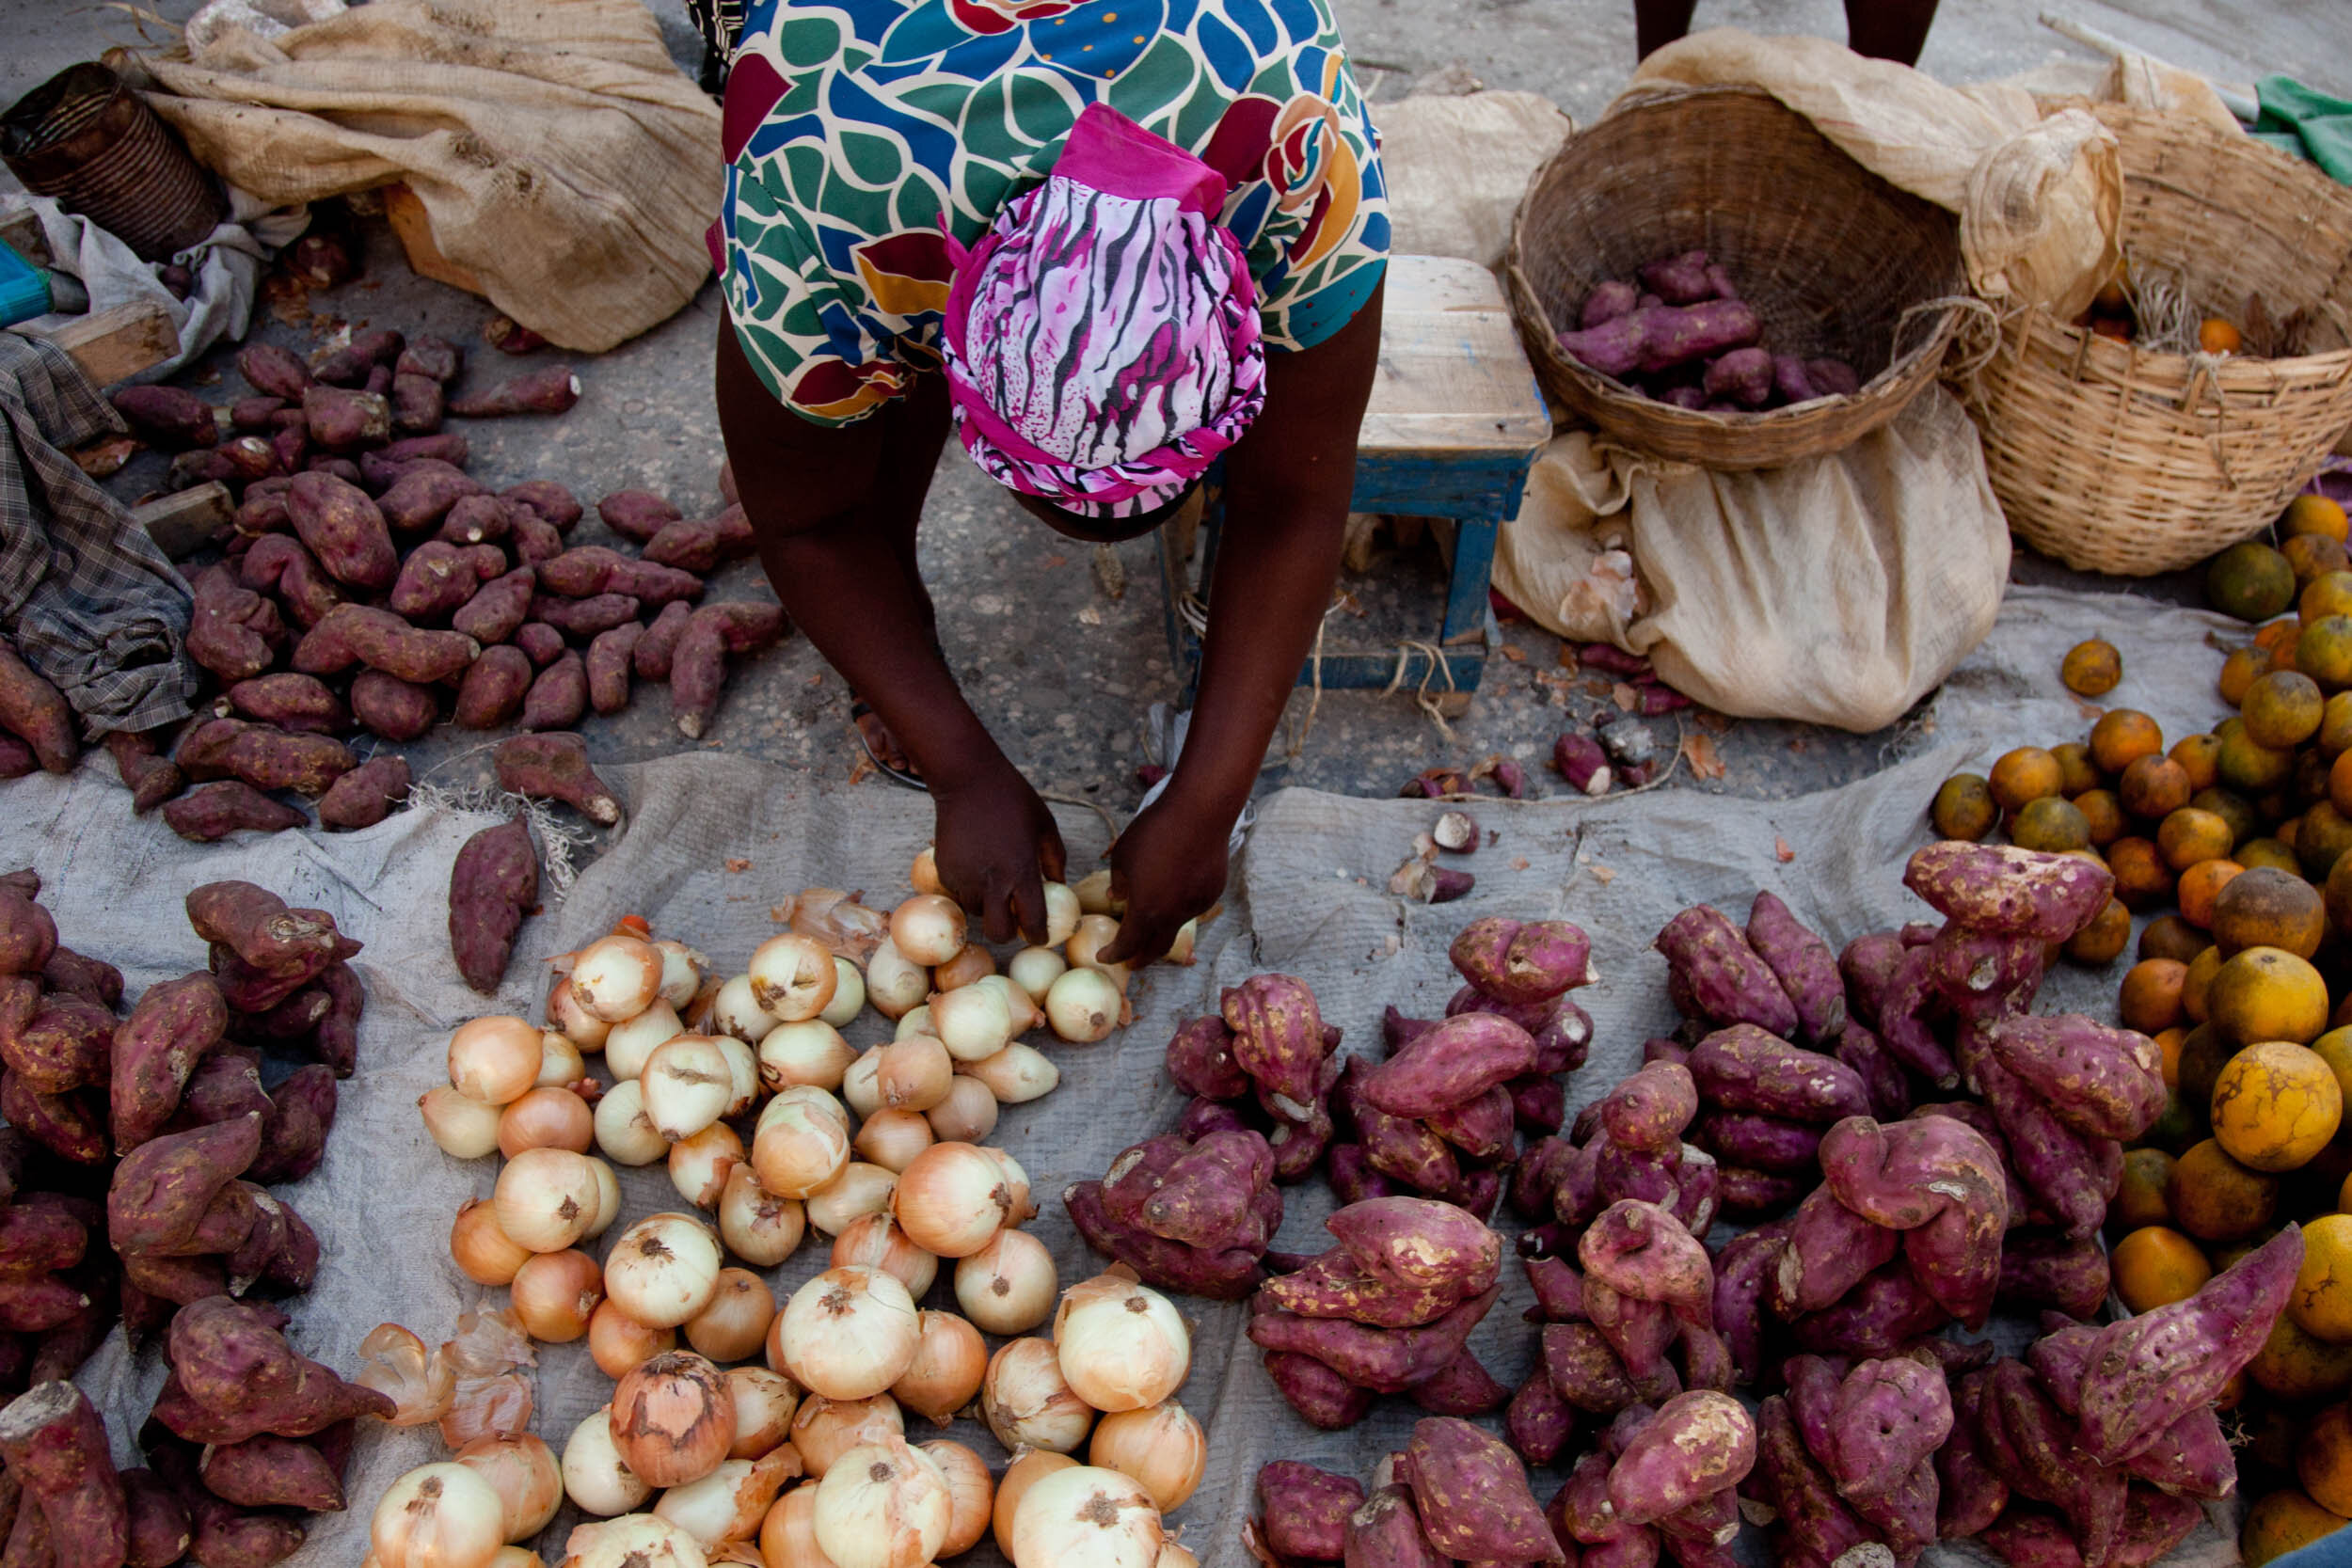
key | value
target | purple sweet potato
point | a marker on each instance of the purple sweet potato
(1227, 1275)
(1744, 1273)
(2101, 1082)
(428, 356)
(232, 631)
(549, 390)
(1698, 1443)
(1882, 1077)
(1648, 1111)
(494, 687)
(1470, 1493)
(268, 1471)
(16, 758)
(212, 812)
(365, 796)
(265, 932)
(264, 757)
(77, 974)
(1334, 1285)
(2000, 889)
(294, 1136)
(2040, 1270)
(335, 1041)
(551, 502)
(170, 418)
(157, 1521)
(1203, 1198)
(2061, 1171)
(1464, 1389)
(1321, 1397)
(343, 529)
(62, 1046)
(424, 496)
(1725, 977)
(698, 663)
(658, 649)
(1803, 964)
(1386, 1533)
(1302, 1511)
(1742, 376)
(1537, 1421)
(343, 420)
(1939, 1182)
(356, 634)
(1971, 1496)
(1385, 1360)
(701, 545)
(1760, 1143)
(1833, 377)
(1523, 962)
(1484, 1127)
(220, 1534)
(1456, 1061)
(499, 607)
(434, 582)
(289, 700)
(1816, 1521)
(1201, 1060)
(582, 619)
(542, 643)
(555, 768)
(1744, 1068)
(396, 710)
(1606, 303)
(234, 1376)
(174, 1024)
(1679, 280)
(279, 562)
(1678, 335)
(55, 1447)
(1418, 1243)
(478, 520)
(587, 570)
(1277, 1039)
(493, 883)
(36, 712)
(274, 372)
(2039, 1452)
(558, 695)
(636, 514)
(609, 667)
(417, 405)
(1829, 1250)
(1791, 384)
(170, 1196)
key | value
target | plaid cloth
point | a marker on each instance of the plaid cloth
(92, 604)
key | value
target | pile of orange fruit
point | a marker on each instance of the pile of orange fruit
(2234, 845)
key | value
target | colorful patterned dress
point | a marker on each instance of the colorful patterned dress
(860, 132)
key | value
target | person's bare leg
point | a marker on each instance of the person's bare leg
(1658, 22)
(1889, 29)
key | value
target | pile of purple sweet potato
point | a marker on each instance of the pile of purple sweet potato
(1684, 335)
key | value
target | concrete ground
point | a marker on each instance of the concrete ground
(1062, 670)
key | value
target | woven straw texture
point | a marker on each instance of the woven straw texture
(1830, 255)
(2118, 459)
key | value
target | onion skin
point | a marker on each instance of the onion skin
(672, 1418)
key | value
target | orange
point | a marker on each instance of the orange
(2232, 808)
(2217, 336)
(2275, 1106)
(2180, 1125)
(2215, 1198)
(2313, 514)
(1963, 808)
(2200, 756)
(2150, 998)
(2268, 993)
(2103, 814)
(2169, 936)
(2247, 765)
(2324, 652)
(2335, 1049)
(2330, 593)
(2250, 580)
(2196, 988)
(2314, 555)
(2200, 884)
(2052, 825)
(2189, 835)
(2257, 854)
(2027, 773)
(2335, 725)
(2323, 1461)
(2140, 1201)
(2294, 1364)
(2339, 782)
(2274, 634)
(2121, 736)
(2091, 668)
(2141, 875)
(2321, 839)
(2283, 709)
(2265, 907)
(2156, 1266)
(2321, 1302)
(2154, 786)
(2104, 939)
(2284, 1520)
(2076, 769)
(2169, 1043)
(2241, 670)
(2336, 895)
(2204, 1051)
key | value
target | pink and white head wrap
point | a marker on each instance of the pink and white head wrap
(1102, 338)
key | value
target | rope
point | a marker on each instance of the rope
(1976, 311)
(1305, 727)
(1438, 666)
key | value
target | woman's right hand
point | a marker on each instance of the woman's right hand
(996, 846)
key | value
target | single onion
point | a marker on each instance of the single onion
(420, 1383)
(545, 1119)
(849, 993)
(1084, 1005)
(672, 1418)
(966, 968)
(917, 1021)
(944, 1375)
(1007, 1285)
(1016, 1075)
(464, 1127)
(924, 874)
(1025, 1399)
(974, 1022)
(895, 984)
(890, 1137)
(952, 1199)
(547, 1198)
(1035, 970)
(757, 1226)
(629, 1045)
(664, 1270)
(849, 1332)
(1028, 1467)
(617, 978)
(508, 1556)
(555, 1293)
(811, 1051)
(438, 1516)
(700, 1165)
(861, 1085)
(729, 1503)
(1122, 1344)
(764, 1403)
(735, 1012)
(631, 1541)
(494, 1059)
(1062, 911)
(1093, 893)
(875, 1240)
(1180, 947)
(617, 1342)
(624, 1132)
(1019, 1208)
(824, 1429)
(860, 1189)
(800, 1142)
(1175, 1553)
(742, 1073)
(883, 1506)
(734, 1324)
(484, 1254)
(576, 1023)
(1160, 1446)
(966, 1116)
(596, 1477)
(1020, 1006)
(682, 971)
(608, 1198)
(1085, 947)
(686, 1085)
(787, 1537)
(927, 928)
(523, 1471)
(560, 1065)
(914, 1073)
(792, 976)
(970, 1494)
(1086, 1517)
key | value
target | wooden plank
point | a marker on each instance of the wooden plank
(185, 521)
(118, 342)
(1452, 375)
(20, 226)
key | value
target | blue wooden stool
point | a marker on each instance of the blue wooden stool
(1454, 423)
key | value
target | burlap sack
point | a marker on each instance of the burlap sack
(1457, 165)
(1838, 591)
(562, 158)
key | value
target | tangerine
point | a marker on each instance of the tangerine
(2201, 885)
(2241, 670)
(2076, 769)
(2313, 555)
(2268, 993)
(2169, 936)
(2273, 1107)
(2313, 514)
(2258, 854)
(2149, 999)
(2091, 668)
(2200, 756)
(1963, 808)
(2330, 593)
(2154, 786)
(2215, 1198)
(2250, 580)
(2027, 773)
(2322, 1460)
(2283, 709)
(2321, 1302)
(2121, 736)
(2052, 825)
(2324, 652)
(2155, 1265)
(2103, 814)
(2265, 907)
(2141, 875)
(2282, 1522)
(2140, 1201)
(2217, 336)
(2104, 939)
(2189, 835)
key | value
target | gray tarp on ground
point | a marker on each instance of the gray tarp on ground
(1311, 901)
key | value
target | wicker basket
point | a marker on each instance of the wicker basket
(2117, 459)
(1831, 255)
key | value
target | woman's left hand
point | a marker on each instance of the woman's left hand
(1170, 867)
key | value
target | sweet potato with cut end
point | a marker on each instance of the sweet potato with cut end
(609, 667)
(2004, 889)
(549, 390)
(542, 643)
(55, 1448)
(555, 768)
(1725, 978)
(1227, 1275)
(170, 418)
(365, 796)
(268, 1471)
(1521, 962)
(174, 1026)
(558, 695)
(159, 1533)
(2101, 1082)
(424, 496)
(1471, 1495)
(1302, 1511)
(343, 419)
(494, 687)
(550, 501)
(1458, 1060)
(1386, 1533)
(1387, 1361)
(701, 545)
(212, 812)
(356, 634)
(636, 514)
(493, 883)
